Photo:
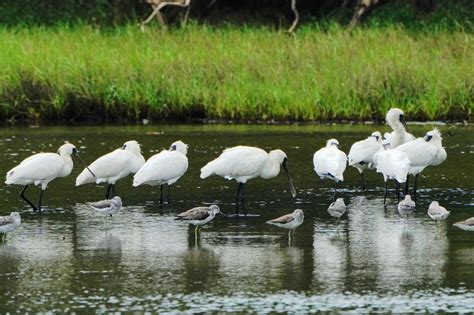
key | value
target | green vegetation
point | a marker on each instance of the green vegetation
(320, 73)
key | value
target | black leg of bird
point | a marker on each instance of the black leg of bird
(237, 198)
(406, 185)
(415, 186)
(397, 190)
(242, 198)
(113, 191)
(22, 195)
(335, 191)
(168, 195)
(385, 194)
(107, 193)
(363, 182)
(161, 194)
(40, 200)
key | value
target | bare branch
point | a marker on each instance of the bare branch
(297, 16)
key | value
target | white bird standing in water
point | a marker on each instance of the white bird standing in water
(199, 216)
(330, 162)
(40, 169)
(163, 168)
(406, 207)
(396, 120)
(362, 153)
(437, 212)
(422, 153)
(113, 166)
(289, 221)
(337, 208)
(9, 223)
(467, 225)
(393, 164)
(243, 163)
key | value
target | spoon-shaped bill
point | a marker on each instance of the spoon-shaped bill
(292, 187)
(404, 123)
(76, 154)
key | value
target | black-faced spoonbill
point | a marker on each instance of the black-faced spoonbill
(113, 166)
(393, 164)
(396, 120)
(467, 225)
(9, 223)
(422, 153)
(437, 212)
(163, 168)
(330, 162)
(41, 168)
(289, 221)
(243, 163)
(362, 153)
(199, 216)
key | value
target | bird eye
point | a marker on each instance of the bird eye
(124, 146)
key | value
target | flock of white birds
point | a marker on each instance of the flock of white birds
(396, 155)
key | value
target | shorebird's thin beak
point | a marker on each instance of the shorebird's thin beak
(76, 154)
(292, 187)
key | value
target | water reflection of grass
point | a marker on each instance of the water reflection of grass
(229, 72)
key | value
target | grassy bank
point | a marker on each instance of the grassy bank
(228, 72)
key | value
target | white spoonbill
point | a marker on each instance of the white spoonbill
(243, 163)
(163, 168)
(466, 225)
(437, 212)
(393, 164)
(422, 153)
(40, 169)
(330, 162)
(199, 216)
(9, 223)
(396, 120)
(289, 221)
(362, 153)
(113, 166)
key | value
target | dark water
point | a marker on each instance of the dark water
(64, 260)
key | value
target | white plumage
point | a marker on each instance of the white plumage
(40, 169)
(437, 212)
(337, 208)
(406, 206)
(108, 206)
(361, 154)
(243, 163)
(396, 120)
(330, 162)
(9, 223)
(163, 168)
(113, 166)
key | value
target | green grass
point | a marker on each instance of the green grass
(254, 73)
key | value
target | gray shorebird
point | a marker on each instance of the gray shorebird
(437, 212)
(406, 207)
(337, 208)
(9, 223)
(467, 225)
(199, 216)
(108, 206)
(289, 221)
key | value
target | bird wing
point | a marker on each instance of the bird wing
(198, 213)
(420, 152)
(5, 220)
(469, 221)
(287, 218)
(40, 166)
(330, 161)
(102, 204)
(236, 162)
(363, 151)
(162, 167)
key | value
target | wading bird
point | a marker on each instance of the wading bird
(289, 221)
(9, 223)
(362, 153)
(199, 216)
(337, 208)
(107, 207)
(163, 168)
(41, 168)
(396, 120)
(467, 225)
(113, 166)
(437, 212)
(406, 207)
(393, 164)
(422, 153)
(243, 163)
(330, 162)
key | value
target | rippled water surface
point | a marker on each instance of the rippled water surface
(65, 260)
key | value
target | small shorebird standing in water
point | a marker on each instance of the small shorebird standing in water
(289, 221)
(406, 207)
(9, 223)
(107, 207)
(337, 208)
(467, 225)
(199, 216)
(437, 212)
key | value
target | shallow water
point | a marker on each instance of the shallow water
(65, 260)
